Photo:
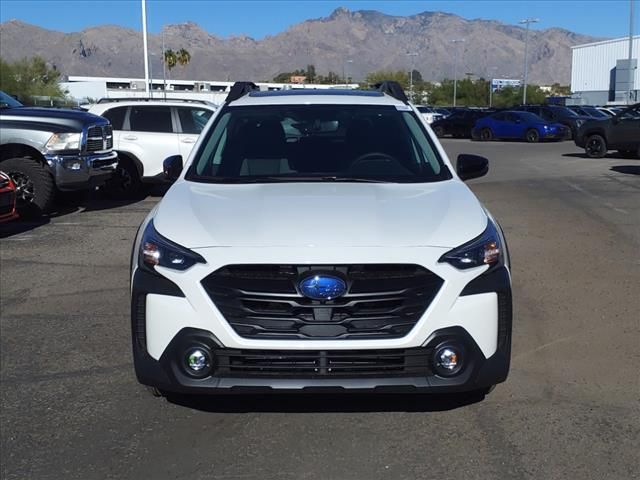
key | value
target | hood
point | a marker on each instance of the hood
(65, 119)
(439, 214)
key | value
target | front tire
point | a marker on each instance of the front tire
(532, 136)
(35, 188)
(596, 146)
(125, 183)
(439, 131)
(486, 135)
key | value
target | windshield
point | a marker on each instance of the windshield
(351, 143)
(594, 112)
(7, 101)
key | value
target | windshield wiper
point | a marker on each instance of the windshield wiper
(293, 178)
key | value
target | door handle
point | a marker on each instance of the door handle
(130, 137)
(188, 140)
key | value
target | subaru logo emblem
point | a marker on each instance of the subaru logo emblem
(323, 287)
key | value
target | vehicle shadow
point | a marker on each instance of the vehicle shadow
(325, 402)
(608, 155)
(627, 169)
(72, 202)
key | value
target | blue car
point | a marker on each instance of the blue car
(517, 125)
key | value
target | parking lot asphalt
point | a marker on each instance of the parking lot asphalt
(71, 407)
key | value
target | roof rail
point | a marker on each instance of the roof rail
(240, 89)
(147, 99)
(393, 89)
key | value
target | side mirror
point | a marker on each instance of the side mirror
(471, 166)
(172, 167)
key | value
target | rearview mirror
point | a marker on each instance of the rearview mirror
(172, 167)
(471, 166)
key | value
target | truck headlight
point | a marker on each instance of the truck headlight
(484, 250)
(157, 250)
(64, 141)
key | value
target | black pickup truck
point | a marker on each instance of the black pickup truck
(620, 132)
(47, 149)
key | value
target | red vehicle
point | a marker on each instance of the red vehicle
(7, 198)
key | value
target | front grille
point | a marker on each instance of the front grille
(263, 301)
(348, 363)
(99, 138)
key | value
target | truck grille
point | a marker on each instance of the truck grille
(99, 138)
(409, 362)
(263, 301)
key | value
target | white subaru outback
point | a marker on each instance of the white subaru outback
(320, 239)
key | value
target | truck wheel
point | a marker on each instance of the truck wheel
(596, 146)
(125, 183)
(533, 136)
(35, 188)
(439, 131)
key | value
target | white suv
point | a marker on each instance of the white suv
(145, 132)
(320, 239)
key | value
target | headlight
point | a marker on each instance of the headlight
(483, 250)
(579, 123)
(64, 141)
(157, 250)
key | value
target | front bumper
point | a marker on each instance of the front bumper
(82, 171)
(484, 366)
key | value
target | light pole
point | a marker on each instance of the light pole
(455, 69)
(631, 72)
(344, 71)
(144, 43)
(164, 68)
(412, 55)
(527, 21)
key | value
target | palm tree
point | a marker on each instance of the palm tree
(183, 57)
(170, 59)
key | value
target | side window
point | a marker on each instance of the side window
(150, 119)
(512, 118)
(499, 116)
(546, 114)
(193, 120)
(116, 117)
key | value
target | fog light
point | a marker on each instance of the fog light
(198, 362)
(448, 360)
(72, 165)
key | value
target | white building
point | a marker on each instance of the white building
(600, 72)
(95, 88)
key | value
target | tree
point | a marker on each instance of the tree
(28, 78)
(172, 59)
(183, 57)
(399, 76)
(311, 73)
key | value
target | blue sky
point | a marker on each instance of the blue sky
(257, 18)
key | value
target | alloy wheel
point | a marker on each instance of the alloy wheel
(25, 189)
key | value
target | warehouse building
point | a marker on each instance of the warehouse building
(83, 88)
(600, 73)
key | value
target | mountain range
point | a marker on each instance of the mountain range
(356, 42)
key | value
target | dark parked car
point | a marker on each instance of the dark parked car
(459, 124)
(620, 132)
(517, 125)
(588, 111)
(558, 114)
